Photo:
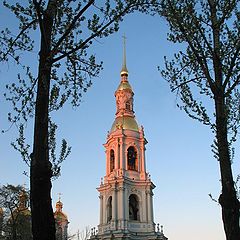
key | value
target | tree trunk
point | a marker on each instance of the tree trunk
(228, 198)
(43, 223)
(14, 228)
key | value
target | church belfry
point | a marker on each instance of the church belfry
(126, 192)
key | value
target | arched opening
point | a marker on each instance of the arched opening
(132, 158)
(128, 105)
(134, 208)
(109, 209)
(112, 160)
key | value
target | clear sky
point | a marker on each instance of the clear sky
(178, 153)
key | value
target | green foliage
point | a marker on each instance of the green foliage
(64, 150)
(9, 196)
(210, 63)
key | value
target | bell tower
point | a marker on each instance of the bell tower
(126, 192)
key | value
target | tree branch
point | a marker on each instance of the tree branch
(18, 36)
(39, 15)
(186, 82)
(232, 64)
(189, 41)
(83, 44)
(233, 86)
(228, 8)
(71, 26)
(203, 35)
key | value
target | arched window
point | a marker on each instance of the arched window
(134, 208)
(109, 209)
(112, 160)
(128, 105)
(132, 158)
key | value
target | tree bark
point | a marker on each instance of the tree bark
(228, 198)
(43, 223)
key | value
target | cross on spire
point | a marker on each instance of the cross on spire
(59, 197)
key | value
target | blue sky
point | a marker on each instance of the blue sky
(178, 153)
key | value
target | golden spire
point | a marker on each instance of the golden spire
(124, 70)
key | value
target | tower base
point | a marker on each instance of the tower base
(126, 235)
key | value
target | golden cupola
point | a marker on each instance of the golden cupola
(125, 118)
(61, 221)
(58, 214)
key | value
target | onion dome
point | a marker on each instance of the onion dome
(23, 203)
(22, 208)
(125, 122)
(58, 214)
(124, 85)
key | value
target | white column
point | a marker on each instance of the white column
(144, 208)
(125, 208)
(143, 166)
(114, 205)
(104, 210)
(121, 154)
(126, 205)
(140, 159)
(151, 194)
(121, 205)
(101, 209)
(149, 206)
(117, 156)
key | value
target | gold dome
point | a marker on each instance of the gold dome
(124, 85)
(125, 122)
(25, 212)
(21, 212)
(60, 216)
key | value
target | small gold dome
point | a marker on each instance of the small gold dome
(124, 85)
(25, 212)
(59, 204)
(21, 212)
(60, 216)
(125, 122)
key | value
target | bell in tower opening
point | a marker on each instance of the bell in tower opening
(126, 194)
